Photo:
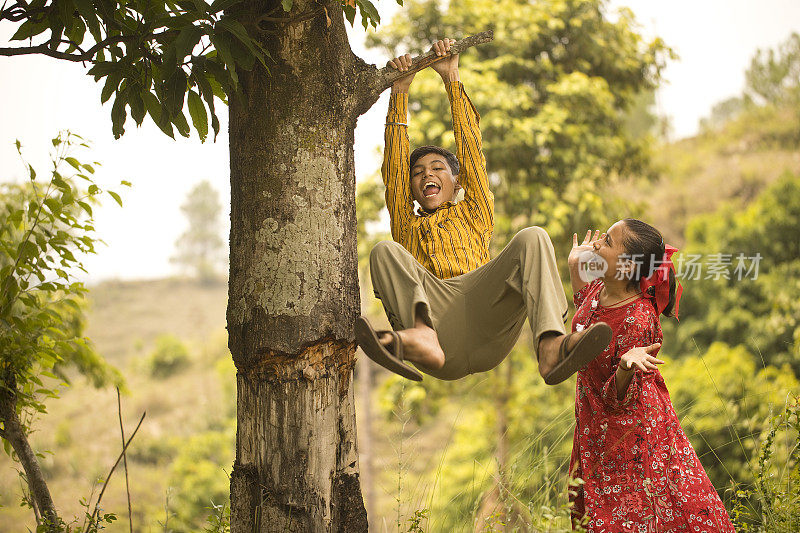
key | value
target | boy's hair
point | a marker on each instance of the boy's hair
(450, 157)
(643, 241)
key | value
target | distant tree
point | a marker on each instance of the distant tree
(774, 74)
(200, 248)
(722, 113)
(46, 225)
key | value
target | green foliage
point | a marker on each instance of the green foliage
(772, 503)
(157, 56)
(369, 13)
(553, 89)
(760, 313)
(774, 74)
(48, 226)
(199, 479)
(200, 247)
(725, 402)
(169, 356)
(219, 521)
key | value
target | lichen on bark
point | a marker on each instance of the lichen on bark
(297, 261)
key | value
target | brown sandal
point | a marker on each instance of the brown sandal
(389, 357)
(594, 340)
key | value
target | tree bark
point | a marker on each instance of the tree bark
(293, 291)
(14, 433)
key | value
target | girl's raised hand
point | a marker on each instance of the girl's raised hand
(585, 246)
(641, 358)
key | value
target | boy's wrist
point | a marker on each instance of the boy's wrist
(450, 76)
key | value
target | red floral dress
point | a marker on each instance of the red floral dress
(640, 472)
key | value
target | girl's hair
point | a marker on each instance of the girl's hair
(645, 246)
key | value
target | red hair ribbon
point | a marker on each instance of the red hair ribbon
(660, 280)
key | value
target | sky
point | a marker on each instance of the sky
(714, 39)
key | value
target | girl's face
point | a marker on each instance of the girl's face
(609, 247)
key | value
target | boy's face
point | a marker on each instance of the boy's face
(432, 182)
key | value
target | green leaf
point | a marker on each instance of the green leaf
(86, 207)
(73, 162)
(116, 197)
(53, 204)
(102, 68)
(372, 13)
(221, 5)
(87, 11)
(118, 115)
(93, 189)
(138, 110)
(175, 92)
(30, 29)
(112, 82)
(186, 40)
(180, 122)
(125, 183)
(287, 5)
(198, 113)
(222, 44)
(349, 13)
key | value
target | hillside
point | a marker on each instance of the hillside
(732, 163)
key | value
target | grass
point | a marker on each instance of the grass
(423, 469)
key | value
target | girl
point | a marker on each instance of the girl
(640, 472)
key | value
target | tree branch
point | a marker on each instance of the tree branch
(375, 81)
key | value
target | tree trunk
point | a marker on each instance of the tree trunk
(293, 290)
(14, 433)
(367, 443)
(293, 286)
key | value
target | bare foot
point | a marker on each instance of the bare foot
(420, 345)
(549, 346)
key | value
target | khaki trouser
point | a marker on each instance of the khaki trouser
(478, 316)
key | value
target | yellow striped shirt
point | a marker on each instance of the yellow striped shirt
(455, 238)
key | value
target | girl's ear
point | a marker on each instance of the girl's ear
(456, 185)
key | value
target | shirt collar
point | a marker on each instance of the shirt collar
(422, 213)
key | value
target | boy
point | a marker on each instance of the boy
(454, 311)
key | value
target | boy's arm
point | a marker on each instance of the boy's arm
(395, 171)
(472, 173)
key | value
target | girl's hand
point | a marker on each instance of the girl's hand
(640, 357)
(585, 246)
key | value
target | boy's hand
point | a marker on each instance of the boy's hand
(640, 357)
(402, 63)
(447, 68)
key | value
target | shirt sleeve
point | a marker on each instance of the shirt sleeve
(639, 330)
(473, 178)
(395, 167)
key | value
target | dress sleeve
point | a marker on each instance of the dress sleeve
(581, 295)
(395, 167)
(472, 173)
(639, 329)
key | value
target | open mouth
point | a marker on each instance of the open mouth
(430, 189)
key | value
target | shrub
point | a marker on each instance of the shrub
(169, 356)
